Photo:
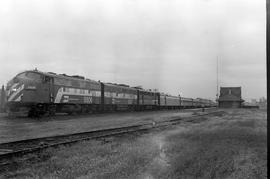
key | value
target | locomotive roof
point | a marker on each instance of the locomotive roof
(187, 98)
(51, 74)
(119, 86)
(169, 95)
(144, 90)
(59, 75)
(64, 76)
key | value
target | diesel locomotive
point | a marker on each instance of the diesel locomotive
(36, 93)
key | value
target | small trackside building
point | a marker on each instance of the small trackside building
(230, 97)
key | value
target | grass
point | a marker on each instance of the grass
(214, 150)
(93, 159)
(214, 154)
(232, 145)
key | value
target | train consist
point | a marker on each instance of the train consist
(36, 93)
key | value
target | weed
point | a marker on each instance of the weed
(91, 160)
(235, 150)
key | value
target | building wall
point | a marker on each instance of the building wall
(229, 104)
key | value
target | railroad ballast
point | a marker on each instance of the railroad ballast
(36, 93)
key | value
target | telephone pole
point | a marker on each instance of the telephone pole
(217, 81)
(2, 99)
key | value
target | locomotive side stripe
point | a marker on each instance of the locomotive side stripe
(12, 96)
(12, 87)
(19, 98)
(76, 92)
(60, 94)
(120, 95)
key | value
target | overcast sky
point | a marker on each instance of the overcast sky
(169, 45)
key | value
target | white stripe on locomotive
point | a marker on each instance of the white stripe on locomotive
(18, 90)
(11, 88)
(19, 98)
(63, 91)
(119, 95)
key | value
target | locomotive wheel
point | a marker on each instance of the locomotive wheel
(33, 113)
(52, 110)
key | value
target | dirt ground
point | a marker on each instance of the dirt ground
(233, 145)
(25, 128)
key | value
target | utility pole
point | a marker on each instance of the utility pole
(2, 100)
(217, 81)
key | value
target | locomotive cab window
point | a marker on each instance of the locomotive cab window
(31, 75)
(15, 80)
(46, 79)
(22, 75)
(34, 76)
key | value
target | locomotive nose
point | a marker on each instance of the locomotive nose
(15, 92)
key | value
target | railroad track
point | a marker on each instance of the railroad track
(19, 148)
(65, 116)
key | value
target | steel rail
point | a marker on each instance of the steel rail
(60, 116)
